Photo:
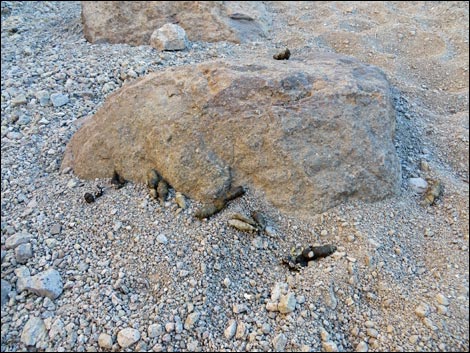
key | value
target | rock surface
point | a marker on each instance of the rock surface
(46, 284)
(133, 22)
(33, 331)
(309, 134)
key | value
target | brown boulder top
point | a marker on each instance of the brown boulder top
(308, 133)
(133, 22)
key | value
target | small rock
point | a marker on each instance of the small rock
(418, 185)
(59, 99)
(33, 331)
(422, 310)
(287, 303)
(169, 37)
(23, 278)
(43, 98)
(372, 333)
(6, 288)
(57, 329)
(279, 343)
(362, 347)
(23, 253)
(241, 330)
(442, 299)
(154, 330)
(330, 346)
(18, 100)
(191, 320)
(56, 228)
(229, 332)
(240, 308)
(162, 239)
(127, 337)
(46, 284)
(17, 239)
(270, 306)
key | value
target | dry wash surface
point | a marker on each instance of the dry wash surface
(398, 281)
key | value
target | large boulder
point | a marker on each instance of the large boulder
(133, 22)
(307, 134)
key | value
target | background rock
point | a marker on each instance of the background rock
(133, 22)
(308, 133)
(169, 37)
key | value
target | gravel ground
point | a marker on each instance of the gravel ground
(140, 276)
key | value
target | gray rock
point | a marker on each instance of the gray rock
(191, 320)
(280, 342)
(241, 330)
(169, 37)
(154, 330)
(162, 239)
(304, 144)
(43, 98)
(59, 99)
(17, 239)
(23, 253)
(23, 278)
(46, 284)
(18, 100)
(57, 330)
(33, 331)
(362, 347)
(24, 120)
(127, 337)
(105, 341)
(230, 330)
(418, 185)
(56, 228)
(6, 288)
(287, 303)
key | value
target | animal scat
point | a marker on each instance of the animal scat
(245, 219)
(283, 55)
(259, 219)
(433, 192)
(315, 252)
(162, 190)
(117, 180)
(240, 225)
(89, 198)
(99, 193)
(234, 193)
(153, 178)
(210, 209)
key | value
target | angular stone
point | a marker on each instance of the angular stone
(33, 331)
(230, 330)
(23, 253)
(418, 185)
(59, 99)
(127, 337)
(23, 278)
(308, 134)
(191, 320)
(279, 343)
(17, 239)
(6, 288)
(287, 303)
(105, 341)
(169, 37)
(46, 284)
(154, 330)
(133, 22)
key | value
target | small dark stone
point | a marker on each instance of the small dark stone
(283, 55)
(259, 219)
(89, 198)
(153, 178)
